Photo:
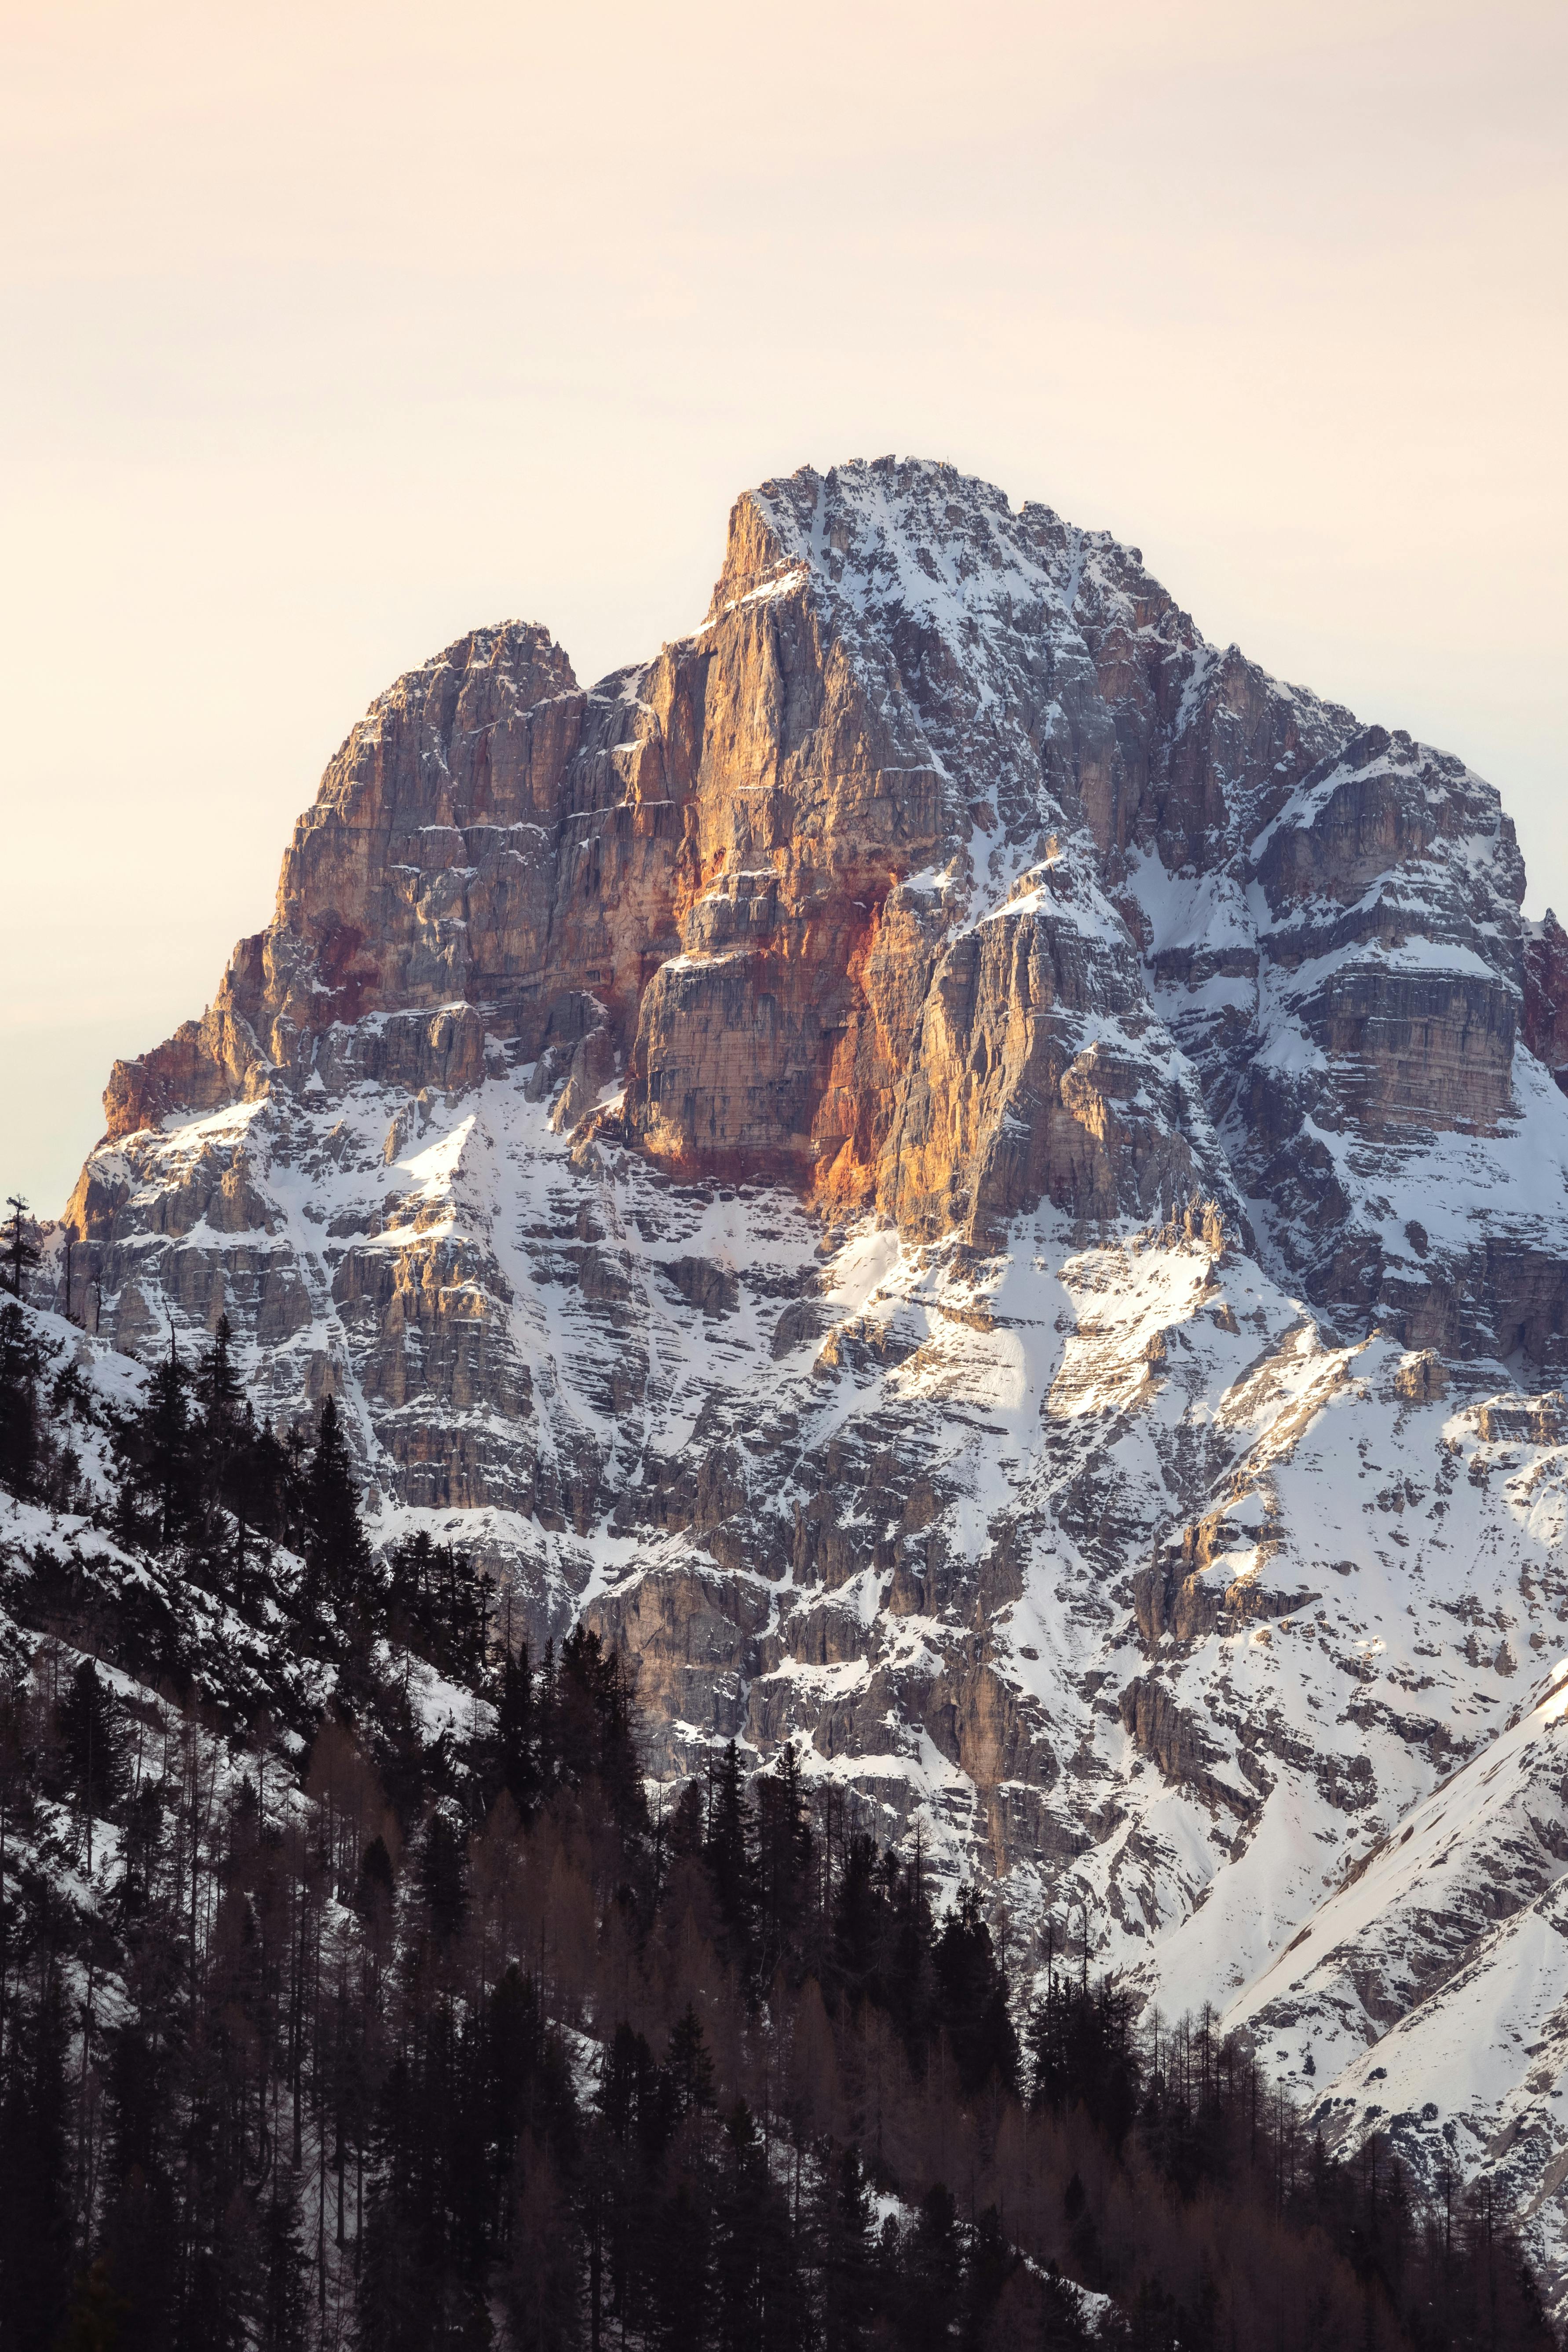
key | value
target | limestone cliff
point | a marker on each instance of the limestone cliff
(971, 1176)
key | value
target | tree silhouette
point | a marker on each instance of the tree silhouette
(21, 1250)
(337, 1556)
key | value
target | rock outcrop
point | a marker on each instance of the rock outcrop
(1545, 1029)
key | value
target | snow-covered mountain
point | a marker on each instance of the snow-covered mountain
(983, 1185)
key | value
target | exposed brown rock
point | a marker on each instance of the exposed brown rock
(1421, 1377)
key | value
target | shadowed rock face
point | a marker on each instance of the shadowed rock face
(973, 1178)
(1546, 994)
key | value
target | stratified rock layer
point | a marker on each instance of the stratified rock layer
(981, 1183)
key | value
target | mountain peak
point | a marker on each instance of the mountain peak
(958, 1168)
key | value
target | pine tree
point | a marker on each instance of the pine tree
(727, 1850)
(337, 1554)
(1082, 2052)
(218, 1385)
(160, 1469)
(439, 1607)
(931, 2269)
(857, 1915)
(680, 2271)
(443, 1877)
(628, 2087)
(93, 1749)
(35, 2183)
(21, 1251)
(784, 1863)
(748, 2262)
(592, 1729)
(542, 2283)
(283, 2319)
(689, 2065)
(904, 1977)
(989, 2263)
(169, 1464)
(21, 1430)
(685, 1826)
(971, 1989)
(517, 1769)
(261, 1486)
(848, 2255)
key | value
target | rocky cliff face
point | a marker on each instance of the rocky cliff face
(980, 1182)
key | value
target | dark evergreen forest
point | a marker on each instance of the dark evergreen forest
(324, 2024)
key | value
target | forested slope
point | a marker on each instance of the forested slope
(357, 1987)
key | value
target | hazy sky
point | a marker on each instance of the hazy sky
(331, 330)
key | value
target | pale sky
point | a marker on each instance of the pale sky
(332, 330)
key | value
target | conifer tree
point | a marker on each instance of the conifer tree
(1082, 2052)
(21, 1251)
(517, 1769)
(159, 1459)
(848, 2252)
(219, 1385)
(97, 2312)
(685, 1823)
(443, 1877)
(680, 2273)
(34, 2184)
(283, 2319)
(91, 1740)
(904, 1980)
(337, 1554)
(21, 1432)
(857, 1915)
(259, 1485)
(543, 2278)
(439, 1606)
(727, 1850)
(972, 1998)
(591, 1726)
(689, 2065)
(932, 2272)
(783, 1860)
(755, 2276)
(989, 2262)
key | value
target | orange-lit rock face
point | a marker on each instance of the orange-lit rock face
(946, 871)
(864, 787)
(758, 1045)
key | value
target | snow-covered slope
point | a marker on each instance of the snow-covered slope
(1428, 1997)
(959, 1168)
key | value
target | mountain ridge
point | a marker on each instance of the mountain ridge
(941, 1109)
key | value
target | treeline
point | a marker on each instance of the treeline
(263, 1519)
(194, 1470)
(399, 2038)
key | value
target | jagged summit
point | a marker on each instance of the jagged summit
(979, 1181)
